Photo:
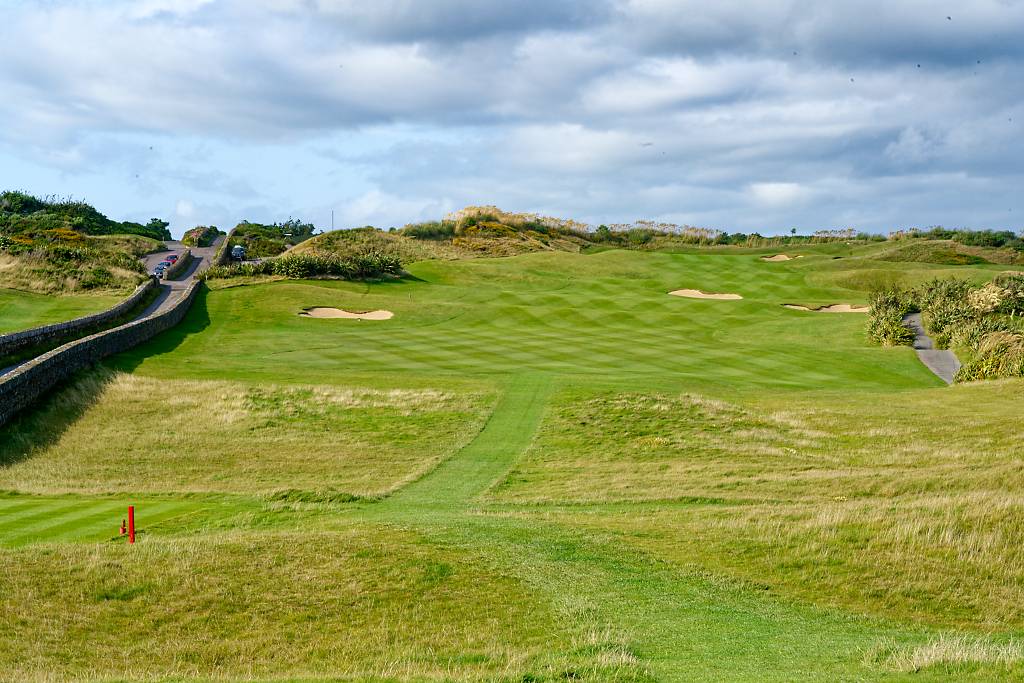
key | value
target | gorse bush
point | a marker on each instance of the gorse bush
(885, 324)
(361, 265)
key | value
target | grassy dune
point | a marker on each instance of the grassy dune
(542, 468)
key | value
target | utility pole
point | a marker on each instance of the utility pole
(332, 220)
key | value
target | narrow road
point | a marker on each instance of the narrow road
(943, 363)
(170, 290)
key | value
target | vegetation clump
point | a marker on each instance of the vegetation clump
(888, 309)
(984, 325)
(201, 236)
(360, 265)
(262, 241)
(53, 245)
(22, 213)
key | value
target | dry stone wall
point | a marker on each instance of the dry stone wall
(25, 384)
(179, 266)
(47, 335)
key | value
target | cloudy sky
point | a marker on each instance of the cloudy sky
(737, 115)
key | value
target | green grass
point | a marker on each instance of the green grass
(24, 310)
(542, 468)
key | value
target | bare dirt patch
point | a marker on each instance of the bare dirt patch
(321, 312)
(834, 308)
(697, 294)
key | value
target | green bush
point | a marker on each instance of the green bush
(888, 309)
(21, 212)
(200, 236)
(361, 265)
(997, 354)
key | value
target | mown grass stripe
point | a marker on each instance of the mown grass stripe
(92, 520)
(490, 455)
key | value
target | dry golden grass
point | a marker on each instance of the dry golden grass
(363, 602)
(209, 436)
(949, 652)
(909, 508)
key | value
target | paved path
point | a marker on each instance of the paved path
(942, 362)
(171, 290)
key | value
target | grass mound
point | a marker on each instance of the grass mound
(945, 252)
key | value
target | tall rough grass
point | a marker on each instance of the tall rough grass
(888, 308)
(946, 650)
(997, 354)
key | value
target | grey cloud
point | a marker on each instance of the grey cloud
(639, 107)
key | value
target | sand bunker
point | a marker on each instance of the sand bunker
(834, 308)
(351, 315)
(697, 294)
(780, 257)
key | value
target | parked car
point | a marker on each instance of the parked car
(173, 258)
(165, 264)
(238, 252)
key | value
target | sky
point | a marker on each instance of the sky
(741, 116)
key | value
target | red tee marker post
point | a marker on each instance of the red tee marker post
(131, 524)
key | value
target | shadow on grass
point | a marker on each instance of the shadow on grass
(196, 320)
(43, 423)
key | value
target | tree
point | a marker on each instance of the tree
(159, 227)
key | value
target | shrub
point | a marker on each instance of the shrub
(1013, 300)
(262, 241)
(888, 309)
(360, 265)
(998, 354)
(200, 236)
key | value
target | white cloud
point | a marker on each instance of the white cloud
(778, 194)
(631, 107)
(184, 210)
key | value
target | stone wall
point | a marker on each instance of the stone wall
(25, 384)
(180, 266)
(224, 253)
(47, 335)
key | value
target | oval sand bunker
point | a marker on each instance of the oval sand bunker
(834, 308)
(351, 315)
(697, 294)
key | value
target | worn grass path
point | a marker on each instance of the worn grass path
(454, 484)
(683, 626)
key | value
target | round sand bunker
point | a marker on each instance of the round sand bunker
(351, 315)
(697, 294)
(834, 308)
